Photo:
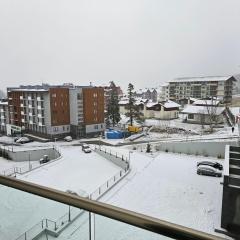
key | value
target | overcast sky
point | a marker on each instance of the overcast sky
(145, 42)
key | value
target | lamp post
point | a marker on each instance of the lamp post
(29, 163)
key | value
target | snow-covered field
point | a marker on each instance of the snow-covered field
(165, 186)
(76, 171)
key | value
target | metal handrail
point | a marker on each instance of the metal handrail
(135, 219)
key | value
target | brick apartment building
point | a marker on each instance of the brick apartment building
(87, 111)
(57, 110)
(43, 110)
(202, 87)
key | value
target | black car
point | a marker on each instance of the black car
(211, 164)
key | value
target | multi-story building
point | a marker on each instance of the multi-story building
(40, 109)
(202, 87)
(3, 115)
(57, 110)
(87, 111)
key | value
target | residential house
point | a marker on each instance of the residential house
(161, 110)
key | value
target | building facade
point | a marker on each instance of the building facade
(202, 87)
(87, 111)
(54, 111)
(165, 110)
(40, 110)
(4, 116)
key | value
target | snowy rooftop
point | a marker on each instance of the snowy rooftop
(124, 101)
(201, 79)
(28, 90)
(206, 102)
(202, 110)
(167, 104)
(171, 104)
(3, 103)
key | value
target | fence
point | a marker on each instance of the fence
(118, 159)
(54, 228)
(29, 166)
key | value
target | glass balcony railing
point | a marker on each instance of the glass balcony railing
(29, 211)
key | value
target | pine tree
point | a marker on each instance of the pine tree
(131, 102)
(113, 115)
(133, 109)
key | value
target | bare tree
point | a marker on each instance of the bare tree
(213, 114)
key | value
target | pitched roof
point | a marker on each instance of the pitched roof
(202, 110)
(171, 104)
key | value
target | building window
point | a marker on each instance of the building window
(190, 116)
(96, 127)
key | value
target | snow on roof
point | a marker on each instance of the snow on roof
(171, 104)
(202, 79)
(164, 84)
(123, 102)
(28, 90)
(3, 103)
(206, 102)
(151, 104)
(202, 110)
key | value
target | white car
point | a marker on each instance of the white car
(23, 140)
(68, 139)
(87, 150)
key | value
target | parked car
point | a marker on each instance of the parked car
(208, 171)
(23, 140)
(87, 150)
(68, 139)
(211, 164)
(45, 159)
(84, 145)
(16, 138)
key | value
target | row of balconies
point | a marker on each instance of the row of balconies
(31, 98)
(39, 107)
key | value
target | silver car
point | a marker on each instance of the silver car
(208, 171)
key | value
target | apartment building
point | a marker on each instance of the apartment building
(86, 111)
(202, 87)
(40, 109)
(57, 110)
(4, 120)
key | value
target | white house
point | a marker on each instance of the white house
(203, 114)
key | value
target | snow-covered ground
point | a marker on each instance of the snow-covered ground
(75, 171)
(165, 186)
